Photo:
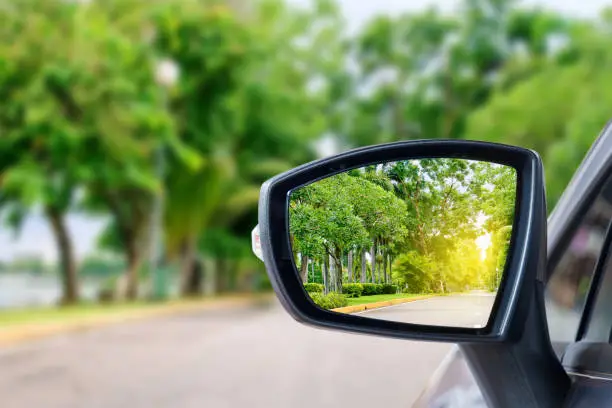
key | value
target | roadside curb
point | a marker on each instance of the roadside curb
(22, 333)
(377, 305)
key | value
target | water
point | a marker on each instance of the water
(23, 290)
(29, 290)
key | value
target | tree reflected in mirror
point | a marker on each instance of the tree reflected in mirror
(419, 241)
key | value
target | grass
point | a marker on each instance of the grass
(379, 298)
(92, 311)
(85, 311)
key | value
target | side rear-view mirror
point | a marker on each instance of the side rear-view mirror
(432, 240)
(437, 240)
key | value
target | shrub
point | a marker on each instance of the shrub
(313, 287)
(352, 290)
(370, 289)
(329, 301)
(389, 289)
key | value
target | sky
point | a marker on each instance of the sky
(359, 11)
(36, 237)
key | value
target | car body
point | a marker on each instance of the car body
(454, 385)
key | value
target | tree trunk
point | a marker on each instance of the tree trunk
(363, 266)
(134, 261)
(304, 269)
(324, 273)
(338, 271)
(70, 289)
(373, 261)
(332, 274)
(223, 281)
(210, 276)
(312, 270)
(350, 266)
(188, 268)
(384, 268)
(197, 277)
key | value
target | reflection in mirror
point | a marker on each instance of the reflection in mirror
(416, 241)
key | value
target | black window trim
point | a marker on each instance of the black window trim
(595, 284)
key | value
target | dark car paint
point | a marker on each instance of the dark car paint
(454, 385)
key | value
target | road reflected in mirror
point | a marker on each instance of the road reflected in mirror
(417, 241)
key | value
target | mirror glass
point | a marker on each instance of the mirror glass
(416, 241)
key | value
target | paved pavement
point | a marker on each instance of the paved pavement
(250, 358)
(460, 311)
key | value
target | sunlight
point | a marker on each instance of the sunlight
(483, 242)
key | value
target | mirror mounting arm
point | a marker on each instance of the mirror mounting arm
(523, 374)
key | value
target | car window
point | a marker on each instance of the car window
(600, 324)
(571, 277)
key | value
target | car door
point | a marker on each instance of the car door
(576, 233)
(577, 253)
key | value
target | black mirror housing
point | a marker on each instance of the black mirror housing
(526, 254)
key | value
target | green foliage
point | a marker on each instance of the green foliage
(83, 117)
(427, 213)
(352, 290)
(370, 289)
(330, 301)
(313, 288)
(388, 289)
(562, 121)
(415, 272)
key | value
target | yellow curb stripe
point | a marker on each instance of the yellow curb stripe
(377, 305)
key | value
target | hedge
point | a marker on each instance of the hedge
(389, 289)
(313, 287)
(370, 289)
(355, 290)
(329, 301)
(352, 290)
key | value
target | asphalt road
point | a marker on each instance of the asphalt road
(470, 310)
(249, 358)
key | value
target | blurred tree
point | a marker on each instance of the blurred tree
(420, 75)
(559, 108)
(243, 105)
(262, 82)
(82, 103)
(40, 120)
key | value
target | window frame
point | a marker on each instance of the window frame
(577, 200)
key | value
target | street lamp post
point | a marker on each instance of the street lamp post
(166, 75)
